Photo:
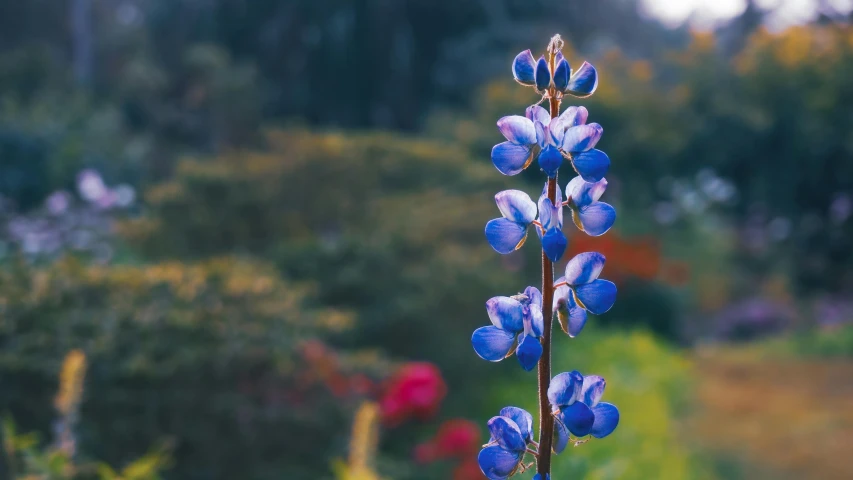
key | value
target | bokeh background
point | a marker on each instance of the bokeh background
(243, 239)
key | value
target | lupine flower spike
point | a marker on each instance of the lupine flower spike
(570, 403)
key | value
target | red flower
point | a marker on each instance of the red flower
(457, 438)
(416, 390)
(468, 470)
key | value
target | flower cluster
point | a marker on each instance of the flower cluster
(522, 323)
(519, 315)
(577, 407)
(64, 224)
(511, 433)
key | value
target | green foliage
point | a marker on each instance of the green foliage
(388, 226)
(193, 352)
(26, 460)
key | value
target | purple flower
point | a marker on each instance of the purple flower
(517, 317)
(549, 140)
(554, 242)
(509, 233)
(528, 137)
(591, 216)
(511, 432)
(538, 74)
(581, 291)
(578, 410)
(91, 186)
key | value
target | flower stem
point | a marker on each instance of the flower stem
(546, 421)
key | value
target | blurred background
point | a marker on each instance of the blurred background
(243, 239)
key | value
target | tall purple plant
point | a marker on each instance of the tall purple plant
(569, 404)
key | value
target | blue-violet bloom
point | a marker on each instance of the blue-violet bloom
(537, 73)
(511, 432)
(509, 233)
(578, 410)
(554, 242)
(582, 289)
(579, 140)
(591, 216)
(517, 316)
(528, 137)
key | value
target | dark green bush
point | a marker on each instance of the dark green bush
(202, 354)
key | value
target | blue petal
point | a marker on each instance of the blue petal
(597, 297)
(554, 244)
(535, 113)
(583, 193)
(561, 437)
(506, 313)
(577, 317)
(534, 311)
(557, 132)
(539, 476)
(591, 165)
(505, 236)
(522, 418)
(511, 159)
(497, 463)
(543, 75)
(537, 322)
(546, 211)
(597, 218)
(584, 268)
(606, 419)
(523, 68)
(582, 138)
(517, 129)
(565, 388)
(578, 418)
(529, 352)
(551, 214)
(550, 160)
(542, 134)
(584, 81)
(573, 116)
(534, 295)
(507, 434)
(592, 390)
(516, 205)
(561, 75)
(491, 343)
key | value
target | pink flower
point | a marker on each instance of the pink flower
(416, 390)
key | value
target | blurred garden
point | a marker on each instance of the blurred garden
(244, 239)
